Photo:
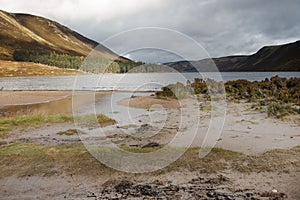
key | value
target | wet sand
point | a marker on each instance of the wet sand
(14, 103)
(147, 102)
(245, 129)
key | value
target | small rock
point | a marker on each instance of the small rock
(92, 195)
(274, 190)
(151, 144)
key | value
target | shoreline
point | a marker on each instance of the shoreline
(242, 122)
(46, 96)
(76, 72)
(16, 102)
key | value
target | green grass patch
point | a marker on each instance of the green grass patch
(8, 122)
(208, 108)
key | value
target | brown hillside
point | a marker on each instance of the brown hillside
(23, 31)
(12, 68)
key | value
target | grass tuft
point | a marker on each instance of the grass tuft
(8, 122)
(67, 132)
(280, 110)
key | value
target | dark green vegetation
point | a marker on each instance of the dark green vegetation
(277, 89)
(93, 64)
(178, 91)
(96, 64)
(278, 96)
(26, 159)
(269, 58)
(52, 58)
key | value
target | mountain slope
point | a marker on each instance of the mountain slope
(24, 31)
(281, 57)
(269, 58)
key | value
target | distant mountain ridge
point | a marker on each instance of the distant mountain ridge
(24, 31)
(284, 57)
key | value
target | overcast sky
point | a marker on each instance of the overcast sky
(222, 27)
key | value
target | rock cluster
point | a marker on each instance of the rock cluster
(219, 187)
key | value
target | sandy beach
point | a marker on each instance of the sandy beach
(257, 172)
(31, 97)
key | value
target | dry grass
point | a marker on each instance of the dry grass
(24, 159)
(12, 68)
(67, 132)
(3, 134)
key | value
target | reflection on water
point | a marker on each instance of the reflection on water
(108, 104)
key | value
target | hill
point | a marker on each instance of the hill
(29, 32)
(269, 58)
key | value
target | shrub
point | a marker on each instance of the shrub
(279, 110)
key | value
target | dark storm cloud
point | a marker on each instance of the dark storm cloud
(223, 27)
